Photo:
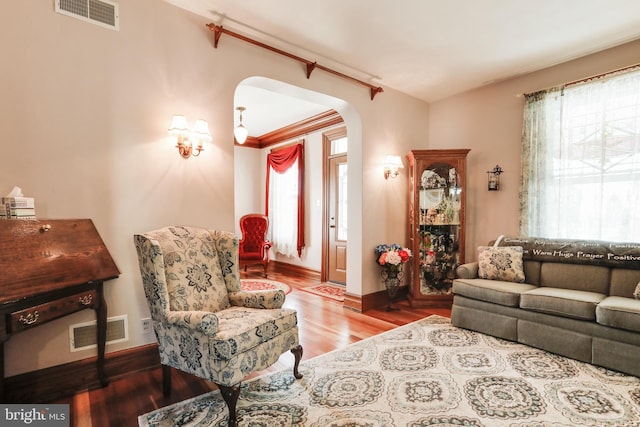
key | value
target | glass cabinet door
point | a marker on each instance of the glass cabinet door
(439, 227)
(436, 223)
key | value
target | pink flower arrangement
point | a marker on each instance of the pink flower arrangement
(391, 255)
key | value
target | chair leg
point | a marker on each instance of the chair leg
(166, 380)
(230, 396)
(297, 353)
(264, 267)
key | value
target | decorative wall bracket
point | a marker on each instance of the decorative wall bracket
(218, 30)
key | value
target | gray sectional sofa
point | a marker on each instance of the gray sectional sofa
(571, 297)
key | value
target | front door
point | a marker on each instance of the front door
(334, 236)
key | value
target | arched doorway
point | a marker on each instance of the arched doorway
(249, 167)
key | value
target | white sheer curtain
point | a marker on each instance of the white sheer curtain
(283, 210)
(581, 160)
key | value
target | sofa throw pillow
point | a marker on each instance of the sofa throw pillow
(636, 293)
(501, 263)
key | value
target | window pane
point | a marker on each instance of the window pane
(342, 202)
(581, 161)
(339, 145)
(283, 210)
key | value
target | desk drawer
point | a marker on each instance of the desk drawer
(39, 314)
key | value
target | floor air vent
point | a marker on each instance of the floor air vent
(82, 336)
(99, 12)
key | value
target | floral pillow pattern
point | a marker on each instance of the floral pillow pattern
(636, 293)
(501, 263)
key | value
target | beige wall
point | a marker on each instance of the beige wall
(489, 122)
(84, 114)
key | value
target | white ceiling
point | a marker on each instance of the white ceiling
(429, 49)
(267, 110)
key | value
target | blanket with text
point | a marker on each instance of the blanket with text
(594, 252)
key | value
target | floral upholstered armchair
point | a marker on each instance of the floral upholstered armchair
(204, 323)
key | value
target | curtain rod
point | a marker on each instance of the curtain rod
(219, 30)
(599, 76)
(586, 79)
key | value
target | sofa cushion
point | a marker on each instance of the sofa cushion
(495, 291)
(501, 263)
(590, 278)
(619, 312)
(623, 282)
(562, 302)
(636, 293)
(532, 271)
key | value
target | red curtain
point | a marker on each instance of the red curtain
(281, 160)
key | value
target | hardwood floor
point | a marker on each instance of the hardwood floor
(324, 326)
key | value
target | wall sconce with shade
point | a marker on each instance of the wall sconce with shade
(392, 166)
(493, 177)
(186, 138)
(240, 132)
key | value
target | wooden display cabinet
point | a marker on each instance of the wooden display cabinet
(436, 224)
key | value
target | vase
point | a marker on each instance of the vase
(392, 278)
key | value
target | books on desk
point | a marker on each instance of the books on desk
(17, 208)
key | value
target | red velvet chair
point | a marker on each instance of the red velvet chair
(254, 246)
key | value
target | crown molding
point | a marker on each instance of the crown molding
(295, 130)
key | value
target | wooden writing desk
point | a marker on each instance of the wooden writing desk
(49, 269)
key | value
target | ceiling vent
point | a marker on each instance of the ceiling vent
(99, 12)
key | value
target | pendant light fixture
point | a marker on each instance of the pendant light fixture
(240, 132)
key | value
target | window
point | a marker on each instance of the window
(285, 199)
(339, 146)
(581, 160)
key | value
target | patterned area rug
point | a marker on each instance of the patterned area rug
(328, 290)
(260, 284)
(427, 373)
